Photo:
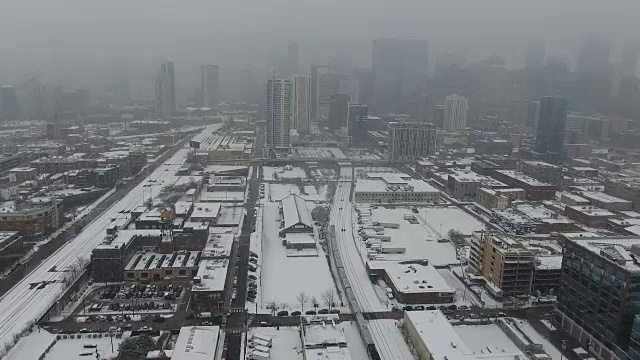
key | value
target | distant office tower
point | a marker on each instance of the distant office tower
(316, 70)
(292, 58)
(438, 116)
(301, 103)
(338, 109)
(357, 115)
(399, 65)
(448, 61)
(364, 80)
(32, 100)
(410, 141)
(422, 108)
(278, 111)
(593, 55)
(166, 92)
(9, 108)
(535, 55)
(349, 86)
(629, 61)
(533, 114)
(552, 122)
(456, 109)
(328, 85)
(209, 82)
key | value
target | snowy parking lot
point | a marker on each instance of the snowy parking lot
(420, 237)
(282, 277)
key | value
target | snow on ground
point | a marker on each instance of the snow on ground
(463, 295)
(481, 338)
(31, 346)
(278, 192)
(274, 173)
(536, 337)
(312, 194)
(286, 342)
(255, 245)
(420, 240)
(389, 340)
(283, 278)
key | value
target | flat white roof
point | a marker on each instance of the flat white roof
(438, 335)
(553, 262)
(196, 343)
(412, 277)
(294, 238)
(616, 249)
(203, 210)
(602, 197)
(522, 177)
(592, 210)
(213, 274)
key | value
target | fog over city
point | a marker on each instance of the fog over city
(79, 41)
(319, 180)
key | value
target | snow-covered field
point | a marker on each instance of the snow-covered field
(274, 173)
(283, 278)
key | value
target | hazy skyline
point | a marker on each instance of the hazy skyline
(71, 37)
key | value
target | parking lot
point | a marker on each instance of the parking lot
(131, 302)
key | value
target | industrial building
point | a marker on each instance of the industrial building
(413, 282)
(535, 190)
(394, 188)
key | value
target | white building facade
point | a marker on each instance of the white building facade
(456, 109)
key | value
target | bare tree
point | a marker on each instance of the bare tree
(284, 305)
(328, 296)
(314, 302)
(302, 299)
(273, 306)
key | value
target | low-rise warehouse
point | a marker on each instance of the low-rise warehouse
(394, 188)
(413, 282)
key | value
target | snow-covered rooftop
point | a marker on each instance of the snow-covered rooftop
(295, 212)
(212, 274)
(549, 262)
(602, 197)
(413, 277)
(202, 210)
(196, 343)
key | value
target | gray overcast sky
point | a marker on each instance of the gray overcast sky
(34, 34)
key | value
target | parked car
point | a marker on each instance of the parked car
(283, 313)
(296, 313)
(323, 311)
(334, 311)
(310, 312)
